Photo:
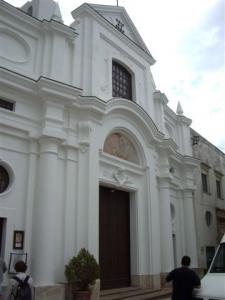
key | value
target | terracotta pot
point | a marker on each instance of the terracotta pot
(81, 295)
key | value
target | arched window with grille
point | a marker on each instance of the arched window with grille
(121, 82)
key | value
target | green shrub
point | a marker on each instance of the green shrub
(82, 270)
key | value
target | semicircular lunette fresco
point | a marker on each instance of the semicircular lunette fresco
(13, 47)
(120, 146)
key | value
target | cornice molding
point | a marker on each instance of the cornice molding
(177, 118)
(136, 112)
(57, 90)
(184, 120)
(158, 96)
(169, 146)
(43, 86)
(14, 131)
(59, 28)
(191, 161)
(170, 113)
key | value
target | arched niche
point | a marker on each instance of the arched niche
(119, 145)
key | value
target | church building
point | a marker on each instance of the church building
(90, 153)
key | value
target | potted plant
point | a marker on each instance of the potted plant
(81, 272)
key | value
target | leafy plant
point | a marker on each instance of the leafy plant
(82, 270)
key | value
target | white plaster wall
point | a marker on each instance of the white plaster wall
(33, 48)
(14, 155)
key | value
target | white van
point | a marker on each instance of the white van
(213, 283)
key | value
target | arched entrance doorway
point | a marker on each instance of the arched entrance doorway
(114, 217)
(114, 237)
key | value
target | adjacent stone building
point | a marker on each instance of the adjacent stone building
(209, 197)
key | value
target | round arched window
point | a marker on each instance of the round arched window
(4, 179)
(208, 218)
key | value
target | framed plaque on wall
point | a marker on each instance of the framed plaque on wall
(18, 239)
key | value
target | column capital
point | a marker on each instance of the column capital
(49, 144)
(188, 193)
(164, 182)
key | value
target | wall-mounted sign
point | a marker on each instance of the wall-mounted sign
(18, 239)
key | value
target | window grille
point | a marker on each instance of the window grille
(121, 82)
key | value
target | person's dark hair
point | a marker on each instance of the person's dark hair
(186, 261)
(20, 266)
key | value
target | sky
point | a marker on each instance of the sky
(187, 40)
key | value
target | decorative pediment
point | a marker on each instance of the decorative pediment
(118, 17)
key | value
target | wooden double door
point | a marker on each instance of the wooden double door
(114, 238)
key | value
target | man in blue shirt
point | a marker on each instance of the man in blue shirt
(184, 280)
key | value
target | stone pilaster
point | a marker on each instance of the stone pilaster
(44, 216)
(167, 260)
(84, 130)
(31, 177)
(70, 200)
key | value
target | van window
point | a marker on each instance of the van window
(218, 265)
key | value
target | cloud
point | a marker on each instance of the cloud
(203, 46)
(193, 73)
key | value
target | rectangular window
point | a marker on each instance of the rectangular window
(205, 178)
(6, 104)
(219, 185)
(121, 82)
(205, 183)
(218, 189)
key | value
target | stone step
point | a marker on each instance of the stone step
(133, 293)
(118, 290)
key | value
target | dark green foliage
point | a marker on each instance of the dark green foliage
(82, 270)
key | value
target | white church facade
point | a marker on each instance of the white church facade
(90, 153)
